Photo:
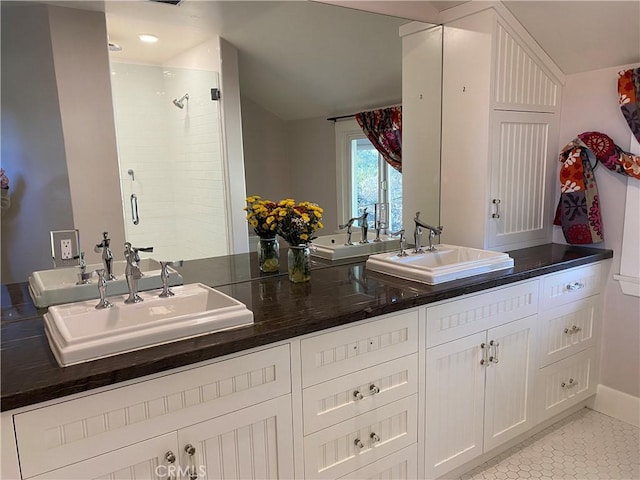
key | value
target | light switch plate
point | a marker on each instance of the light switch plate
(65, 248)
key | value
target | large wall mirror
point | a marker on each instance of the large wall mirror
(299, 63)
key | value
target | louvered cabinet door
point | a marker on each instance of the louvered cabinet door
(251, 443)
(524, 150)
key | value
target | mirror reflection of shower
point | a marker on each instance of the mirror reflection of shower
(180, 103)
(179, 187)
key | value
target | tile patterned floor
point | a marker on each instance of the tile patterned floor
(584, 446)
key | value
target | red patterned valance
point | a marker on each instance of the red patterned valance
(383, 128)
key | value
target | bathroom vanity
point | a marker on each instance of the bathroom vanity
(353, 375)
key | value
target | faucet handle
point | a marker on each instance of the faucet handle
(143, 249)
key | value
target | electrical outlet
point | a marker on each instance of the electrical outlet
(65, 248)
(66, 252)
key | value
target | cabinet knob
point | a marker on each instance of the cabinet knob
(570, 384)
(572, 287)
(357, 395)
(191, 451)
(374, 389)
(374, 437)
(358, 443)
(170, 457)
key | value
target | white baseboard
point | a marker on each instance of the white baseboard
(617, 404)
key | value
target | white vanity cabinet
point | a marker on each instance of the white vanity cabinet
(430, 389)
(360, 402)
(569, 332)
(499, 135)
(254, 442)
(480, 367)
(236, 414)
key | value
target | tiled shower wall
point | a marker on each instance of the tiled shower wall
(176, 158)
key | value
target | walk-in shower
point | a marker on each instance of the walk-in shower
(180, 103)
(179, 206)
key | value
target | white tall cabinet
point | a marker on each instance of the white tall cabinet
(500, 109)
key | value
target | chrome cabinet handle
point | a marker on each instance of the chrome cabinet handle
(191, 451)
(485, 353)
(572, 330)
(494, 344)
(357, 395)
(572, 287)
(570, 384)
(374, 389)
(374, 437)
(170, 457)
(496, 202)
(358, 443)
(134, 209)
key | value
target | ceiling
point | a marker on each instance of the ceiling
(291, 73)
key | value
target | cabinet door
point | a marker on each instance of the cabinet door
(509, 381)
(255, 442)
(524, 147)
(455, 380)
(144, 460)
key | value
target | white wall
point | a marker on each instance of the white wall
(312, 158)
(590, 103)
(266, 155)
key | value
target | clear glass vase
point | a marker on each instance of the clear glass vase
(299, 263)
(269, 255)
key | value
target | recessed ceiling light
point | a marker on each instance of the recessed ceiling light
(147, 38)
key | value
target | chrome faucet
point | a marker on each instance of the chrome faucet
(403, 242)
(364, 227)
(417, 234)
(83, 276)
(132, 271)
(102, 288)
(107, 256)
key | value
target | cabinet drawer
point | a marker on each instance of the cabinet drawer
(566, 383)
(352, 444)
(567, 329)
(67, 432)
(459, 318)
(331, 402)
(141, 460)
(402, 465)
(334, 354)
(570, 285)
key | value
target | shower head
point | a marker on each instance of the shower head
(180, 103)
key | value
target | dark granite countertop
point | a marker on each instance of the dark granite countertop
(338, 293)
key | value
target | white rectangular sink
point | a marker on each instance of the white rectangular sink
(78, 332)
(333, 247)
(447, 263)
(56, 286)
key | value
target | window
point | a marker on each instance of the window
(365, 179)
